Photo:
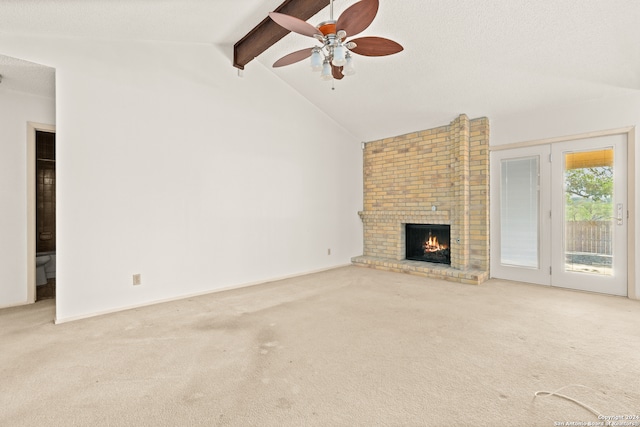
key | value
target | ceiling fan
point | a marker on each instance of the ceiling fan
(333, 59)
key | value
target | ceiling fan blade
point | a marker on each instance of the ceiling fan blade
(375, 46)
(336, 72)
(358, 17)
(294, 24)
(293, 57)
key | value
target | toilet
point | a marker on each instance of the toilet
(41, 274)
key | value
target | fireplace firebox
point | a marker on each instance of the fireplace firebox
(428, 242)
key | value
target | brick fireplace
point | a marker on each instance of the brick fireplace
(436, 176)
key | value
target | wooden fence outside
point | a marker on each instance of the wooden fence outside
(589, 237)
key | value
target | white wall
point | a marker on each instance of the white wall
(596, 115)
(16, 110)
(171, 166)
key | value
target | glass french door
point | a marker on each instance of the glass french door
(589, 199)
(518, 229)
(561, 214)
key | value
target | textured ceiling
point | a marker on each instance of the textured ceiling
(480, 57)
(26, 77)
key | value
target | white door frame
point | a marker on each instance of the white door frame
(31, 205)
(631, 190)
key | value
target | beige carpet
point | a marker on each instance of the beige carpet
(346, 347)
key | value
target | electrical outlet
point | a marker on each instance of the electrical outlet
(137, 279)
(329, 251)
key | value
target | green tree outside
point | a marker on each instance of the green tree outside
(589, 194)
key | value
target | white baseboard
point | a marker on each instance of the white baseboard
(58, 321)
(16, 304)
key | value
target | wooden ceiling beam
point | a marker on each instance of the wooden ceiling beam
(267, 33)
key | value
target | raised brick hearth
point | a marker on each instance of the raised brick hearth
(407, 177)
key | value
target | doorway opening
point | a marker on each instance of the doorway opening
(41, 220)
(29, 94)
(45, 215)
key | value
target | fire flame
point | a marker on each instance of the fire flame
(432, 245)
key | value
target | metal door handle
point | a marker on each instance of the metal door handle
(620, 213)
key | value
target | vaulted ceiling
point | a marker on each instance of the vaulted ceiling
(483, 58)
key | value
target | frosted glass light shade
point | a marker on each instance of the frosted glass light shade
(326, 71)
(348, 69)
(339, 53)
(316, 60)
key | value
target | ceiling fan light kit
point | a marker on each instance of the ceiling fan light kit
(316, 59)
(348, 69)
(326, 71)
(334, 58)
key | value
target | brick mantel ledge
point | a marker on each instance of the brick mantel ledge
(407, 217)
